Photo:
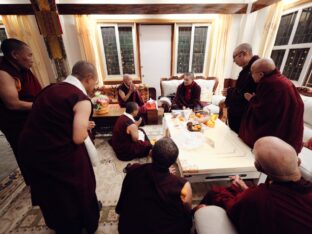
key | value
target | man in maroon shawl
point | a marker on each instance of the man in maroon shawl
(276, 109)
(153, 200)
(128, 140)
(188, 94)
(19, 87)
(52, 148)
(235, 101)
(282, 205)
(127, 92)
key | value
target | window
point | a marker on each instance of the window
(3, 36)
(191, 48)
(292, 51)
(119, 49)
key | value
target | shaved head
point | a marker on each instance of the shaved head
(83, 69)
(262, 67)
(127, 79)
(244, 47)
(277, 159)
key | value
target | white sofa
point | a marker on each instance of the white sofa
(213, 220)
(306, 154)
(208, 87)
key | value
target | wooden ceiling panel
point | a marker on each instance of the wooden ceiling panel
(71, 9)
(258, 5)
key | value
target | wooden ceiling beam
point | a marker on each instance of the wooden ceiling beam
(259, 4)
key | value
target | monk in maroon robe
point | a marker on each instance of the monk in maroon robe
(52, 148)
(276, 109)
(282, 205)
(128, 141)
(235, 101)
(188, 94)
(153, 200)
(127, 92)
(19, 87)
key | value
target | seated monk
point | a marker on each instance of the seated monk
(153, 200)
(127, 92)
(128, 140)
(282, 205)
(276, 109)
(188, 94)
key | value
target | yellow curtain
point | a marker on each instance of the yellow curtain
(270, 29)
(218, 48)
(88, 40)
(25, 29)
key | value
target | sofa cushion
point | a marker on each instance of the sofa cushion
(206, 87)
(170, 86)
(307, 115)
(306, 163)
(213, 220)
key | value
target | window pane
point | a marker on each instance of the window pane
(285, 28)
(295, 62)
(126, 47)
(199, 47)
(304, 29)
(2, 36)
(184, 46)
(277, 56)
(110, 48)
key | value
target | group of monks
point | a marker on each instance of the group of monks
(47, 130)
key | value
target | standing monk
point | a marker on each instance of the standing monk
(52, 149)
(275, 110)
(235, 101)
(19, 88)
(128, 140)
(282, 205)
(188, 94)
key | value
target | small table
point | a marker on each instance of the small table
(221, 154)
(104, 124)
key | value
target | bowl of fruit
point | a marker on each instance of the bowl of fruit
(194, 127)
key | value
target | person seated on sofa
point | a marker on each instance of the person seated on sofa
(153, 200)
(128, 141)
(276, 109)
(188, 94)
(127, 92)
(282, 205)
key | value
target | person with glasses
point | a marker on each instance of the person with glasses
(235, 102)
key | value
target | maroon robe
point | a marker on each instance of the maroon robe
(150, 202)
(12, 121)
(276, 110)
(61, 176)
(235, 101)
(134, 97)
(125, 148)
(280, 207)
(194, 101)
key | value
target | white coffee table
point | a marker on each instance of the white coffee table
(222, 152)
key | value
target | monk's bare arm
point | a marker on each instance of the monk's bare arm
(134, 132)
(9, 94)
(82, 111)
(123, 96)
(186, 195)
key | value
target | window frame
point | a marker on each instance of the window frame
(2, 26)
(290, 46)
(135, 50)
(176, 41)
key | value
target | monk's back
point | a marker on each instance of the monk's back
(120, 136)
(150, 203)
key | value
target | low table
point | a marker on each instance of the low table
(104, 124)
(221, 154)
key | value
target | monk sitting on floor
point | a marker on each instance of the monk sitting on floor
(188, 94)
(153, 200)
(276, 109)
(282, 205)
(128, 140)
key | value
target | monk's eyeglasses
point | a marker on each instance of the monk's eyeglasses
(238, 54)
